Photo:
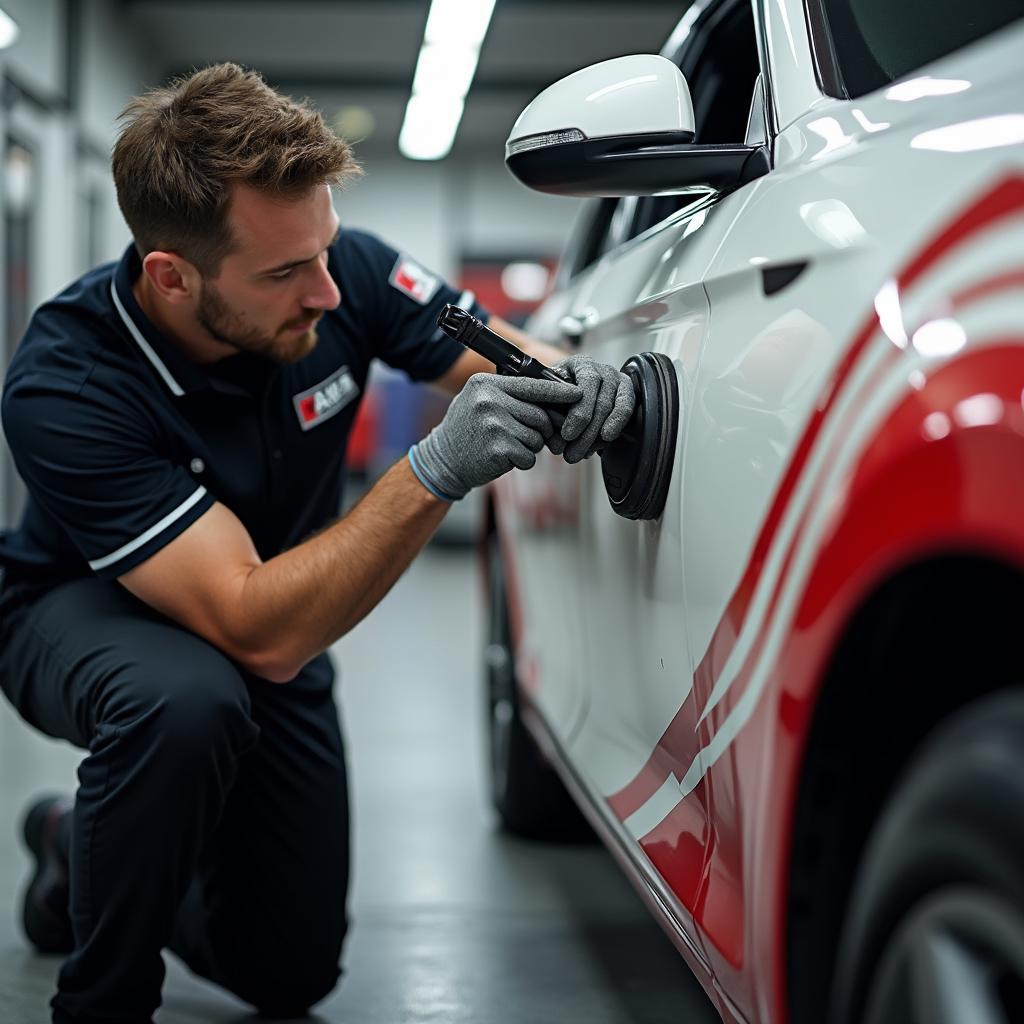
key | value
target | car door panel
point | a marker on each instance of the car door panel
(537, 512)
(759, 442)
(628, 576)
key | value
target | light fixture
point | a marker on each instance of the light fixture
(430, 126)
(445, 68)
(524, 281)
(354, 123)
(8, 30)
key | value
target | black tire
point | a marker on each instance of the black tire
(526, 792)
(935, 929)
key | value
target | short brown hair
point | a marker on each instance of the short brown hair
(184, 146)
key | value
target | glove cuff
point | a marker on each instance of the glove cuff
(432, 473)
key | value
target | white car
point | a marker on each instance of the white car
(772, 643)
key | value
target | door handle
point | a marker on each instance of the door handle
(573, 326)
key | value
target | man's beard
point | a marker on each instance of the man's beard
(229, 327)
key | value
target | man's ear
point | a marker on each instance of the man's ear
(174, 278)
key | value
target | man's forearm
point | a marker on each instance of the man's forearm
(303, 600)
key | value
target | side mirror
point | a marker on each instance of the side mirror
(623, 127)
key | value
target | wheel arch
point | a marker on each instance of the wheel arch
(923, 578)
(870, 702)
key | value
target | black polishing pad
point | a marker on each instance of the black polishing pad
(637, 466)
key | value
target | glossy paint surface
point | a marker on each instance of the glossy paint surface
(866, 413)
(626, 95)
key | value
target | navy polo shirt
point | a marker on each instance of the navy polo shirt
(123, 442)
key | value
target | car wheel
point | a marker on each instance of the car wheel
(526, 792)
(935, 929)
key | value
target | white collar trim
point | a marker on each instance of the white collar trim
(147, 349)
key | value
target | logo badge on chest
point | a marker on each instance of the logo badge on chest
(326, 399)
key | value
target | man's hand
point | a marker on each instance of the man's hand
(493, 424)
(602, 411)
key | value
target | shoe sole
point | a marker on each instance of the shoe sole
(47, 932)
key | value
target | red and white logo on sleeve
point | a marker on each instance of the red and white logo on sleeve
(412, 279)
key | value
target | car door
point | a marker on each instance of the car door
(786, 384)
(647, 293)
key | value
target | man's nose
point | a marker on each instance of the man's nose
(323, 293)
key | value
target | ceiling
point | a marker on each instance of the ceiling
(363, 52)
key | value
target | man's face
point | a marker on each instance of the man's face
(270, 291)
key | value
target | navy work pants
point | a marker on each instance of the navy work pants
(211, 816)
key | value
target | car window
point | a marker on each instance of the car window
(721, 66)
(877, 41)
(719, 59)
(720, 63)
(587, 240)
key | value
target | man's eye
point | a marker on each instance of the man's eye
(284, 274)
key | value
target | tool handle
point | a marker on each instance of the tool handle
(472, 332)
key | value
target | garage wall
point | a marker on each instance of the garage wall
(116, 63)
(69, 81)
(38, 56)
(439, 211)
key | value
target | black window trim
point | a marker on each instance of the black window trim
(711, 11)
(770, 113)
(823, 54)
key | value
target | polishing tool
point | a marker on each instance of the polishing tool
(637, 465)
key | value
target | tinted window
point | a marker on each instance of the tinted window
(877, 41)
(720, 62)
(589, 239)
(721, 65)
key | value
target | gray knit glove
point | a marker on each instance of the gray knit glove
(601, 413)
(491, 426)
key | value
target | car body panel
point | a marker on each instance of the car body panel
(854, 419)
(790, 62)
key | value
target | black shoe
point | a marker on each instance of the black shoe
(45, 914)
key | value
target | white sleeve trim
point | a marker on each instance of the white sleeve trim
(134, 545)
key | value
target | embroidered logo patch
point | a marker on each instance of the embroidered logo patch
(408, 277)
(326, 399)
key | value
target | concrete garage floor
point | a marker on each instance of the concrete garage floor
(452, 920)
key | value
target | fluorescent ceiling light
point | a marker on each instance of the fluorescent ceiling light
(8, 29)
(447, 62)
(444, 69)
(464, 21)
(430, 126)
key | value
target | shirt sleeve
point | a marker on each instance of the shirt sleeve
(406, 299)
(94, 464)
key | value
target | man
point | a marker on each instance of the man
(180, 422)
